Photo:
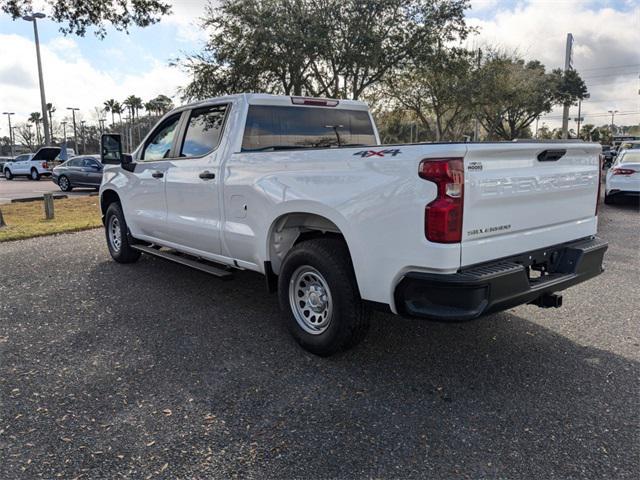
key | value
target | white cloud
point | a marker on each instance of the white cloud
(186, 16)
(603, 37)
(70, 79)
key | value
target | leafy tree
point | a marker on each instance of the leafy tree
(78, 15)
(437, 89)
(26, 136)
(337, 48)
(511, 93)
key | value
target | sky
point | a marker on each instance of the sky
(85, 71)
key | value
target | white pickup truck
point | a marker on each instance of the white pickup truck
(300, 190)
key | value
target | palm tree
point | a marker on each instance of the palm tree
(119, 110)
(150, 107)
(133, 104)
(36, 119)
(110, 106)
(164, 103)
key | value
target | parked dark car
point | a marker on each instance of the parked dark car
(81, 171)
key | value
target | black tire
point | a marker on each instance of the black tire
(34, 175)
(348, 318)
(7, 174)
(122, 253)
(65, 185)
(608, 199)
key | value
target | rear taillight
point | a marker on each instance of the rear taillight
(623, 171)
(45, 165)
(443, 216)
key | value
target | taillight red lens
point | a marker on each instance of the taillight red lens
(443, 216)
(45, 165)
(623, 171)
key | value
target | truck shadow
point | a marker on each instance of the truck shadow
(499, 397)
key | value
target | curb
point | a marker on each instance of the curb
(35, 199)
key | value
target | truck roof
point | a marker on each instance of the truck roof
(281, 100)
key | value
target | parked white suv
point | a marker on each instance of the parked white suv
(300, 190)
(30, 165)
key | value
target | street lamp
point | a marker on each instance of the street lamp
(64, 132)
(43, 101)
(579, 119)
(84, 142)
(8, 114)
(613, 113)
(75, 135)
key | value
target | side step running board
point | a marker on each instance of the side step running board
(198, 265)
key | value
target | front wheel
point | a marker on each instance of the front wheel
(8, 175)
(117, 237)
(318, 290)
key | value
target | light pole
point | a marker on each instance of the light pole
(579, 119)
(43, 101)
(64, 132)
(8, 114)
(84, 142)
(75, 134)
(613, 114)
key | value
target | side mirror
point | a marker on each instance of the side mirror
(111, 149)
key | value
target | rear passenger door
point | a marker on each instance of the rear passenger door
(193, 180)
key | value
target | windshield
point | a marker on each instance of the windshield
(280, 128)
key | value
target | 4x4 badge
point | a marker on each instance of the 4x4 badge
(378, 153)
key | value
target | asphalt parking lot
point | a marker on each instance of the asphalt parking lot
(152, 370)
(22, 187)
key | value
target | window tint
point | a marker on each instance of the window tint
(161, 140)
(22, 158)
(89, 162)
(76, 162)
(274, 128)
(204, 130)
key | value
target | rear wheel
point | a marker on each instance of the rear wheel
(7, 174)
(64, 184)
(34, 175)
(317, 288)
(116, 232)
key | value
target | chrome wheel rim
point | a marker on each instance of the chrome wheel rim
(64, 183)
(310, 300)
(34, 174)
(115, 233)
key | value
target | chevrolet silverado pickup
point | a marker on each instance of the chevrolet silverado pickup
(301, 190)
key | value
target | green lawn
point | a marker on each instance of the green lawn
(26, 220)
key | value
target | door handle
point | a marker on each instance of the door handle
(157, 174)
(207, 175)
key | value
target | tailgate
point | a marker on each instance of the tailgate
(520, 197)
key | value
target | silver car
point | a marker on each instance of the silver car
(80, 171)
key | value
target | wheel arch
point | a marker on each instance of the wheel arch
(107, 197)
(292, 227)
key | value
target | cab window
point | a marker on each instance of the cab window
(203, 131)
(162, 139)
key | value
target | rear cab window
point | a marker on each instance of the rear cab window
(272, 127)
